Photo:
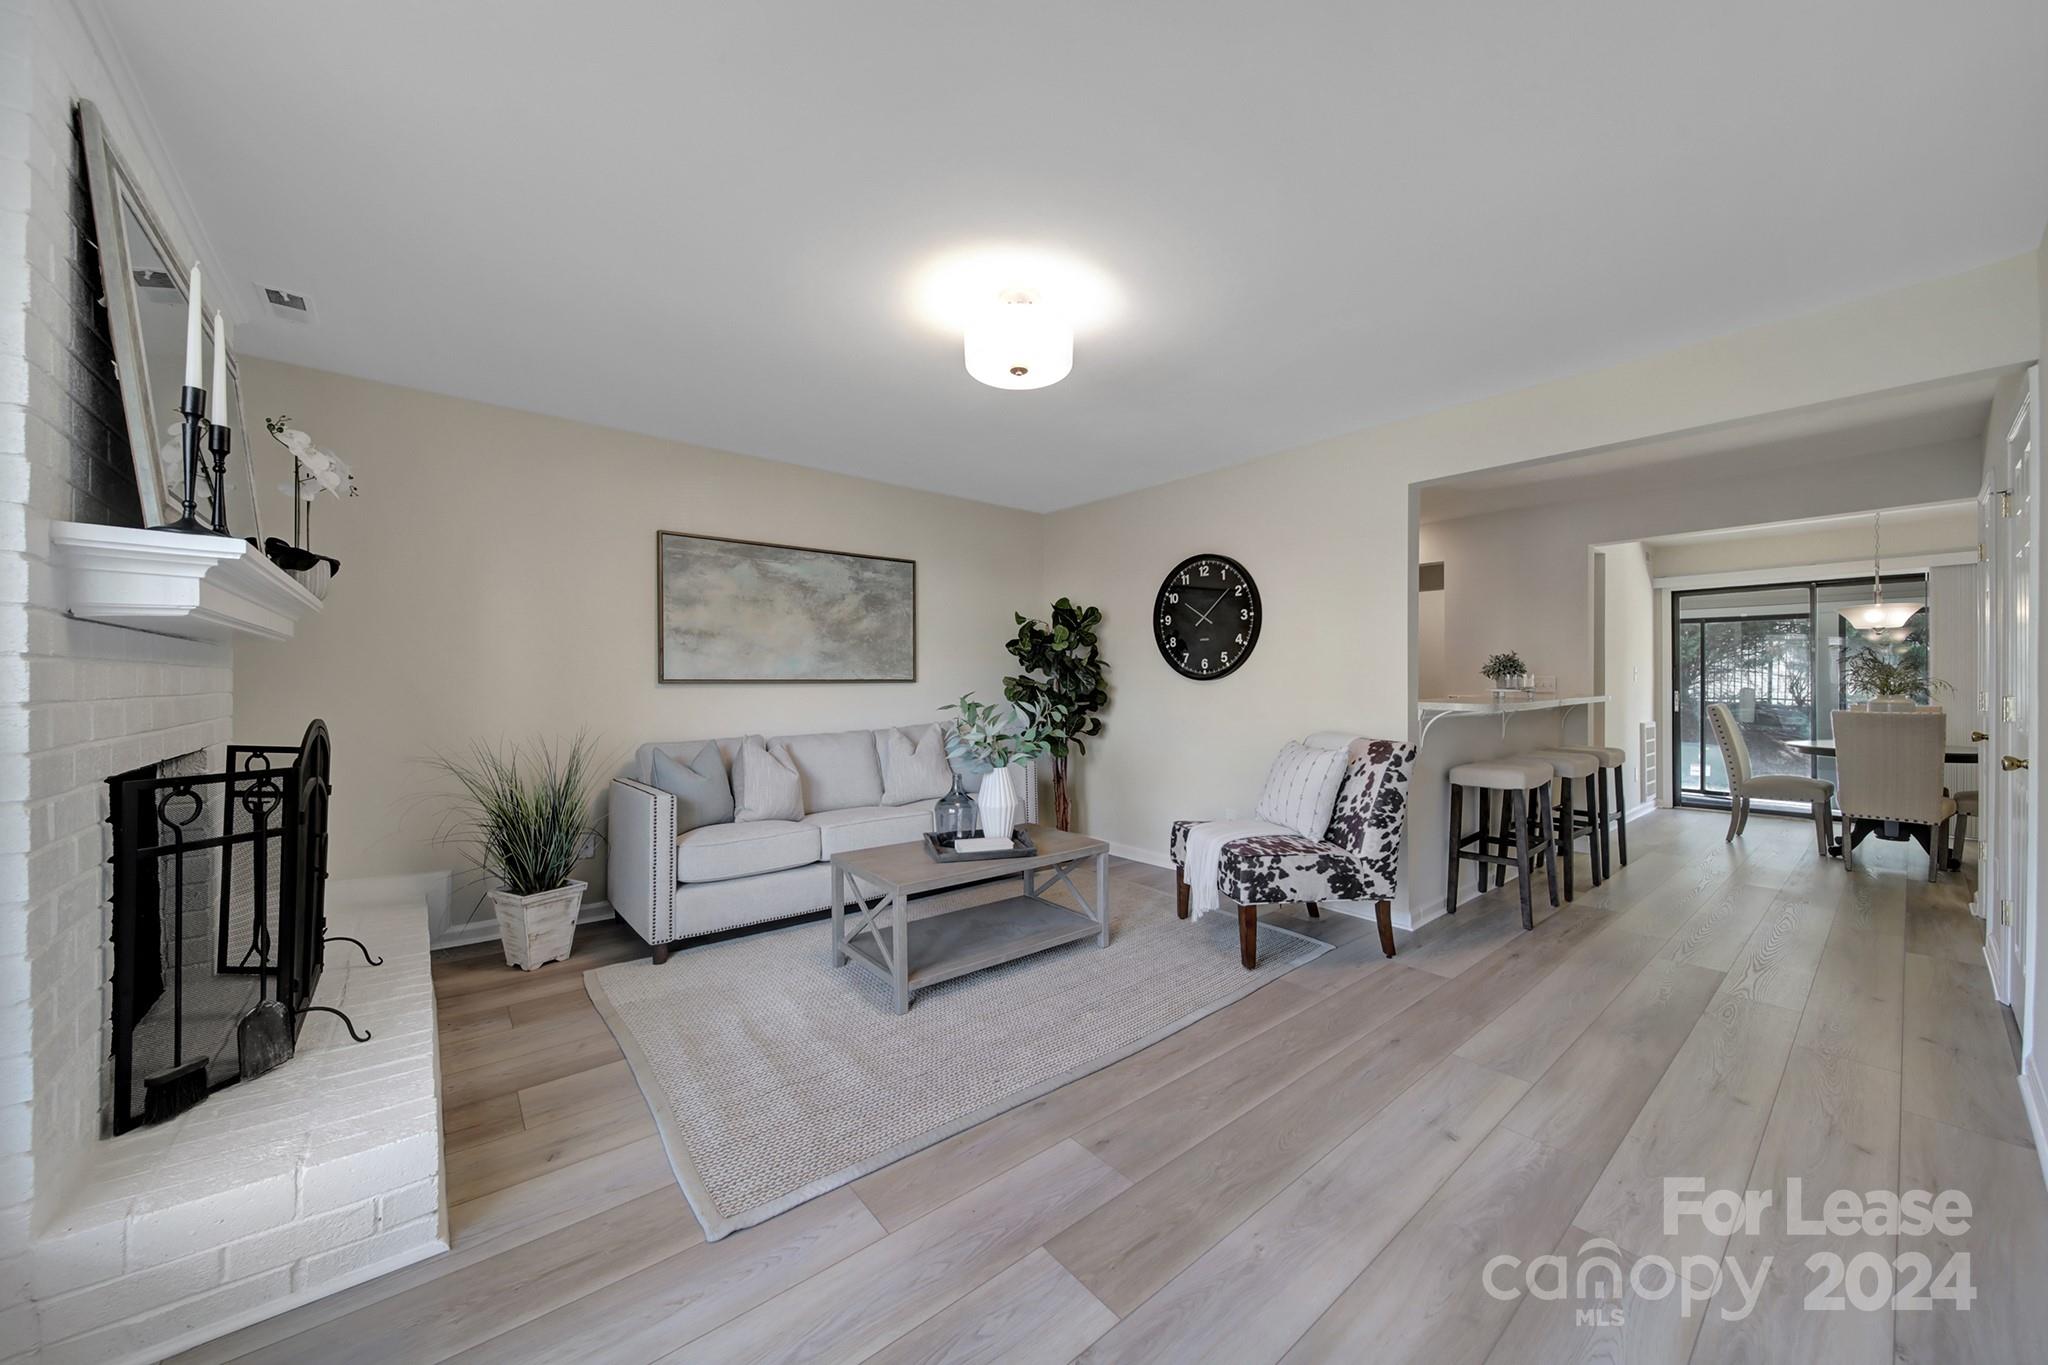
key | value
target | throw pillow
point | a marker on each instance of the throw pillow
(1301, 789)
(914, 766)
(699, 784)
(769, 787)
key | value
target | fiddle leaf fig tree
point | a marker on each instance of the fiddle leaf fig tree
(1062, 688)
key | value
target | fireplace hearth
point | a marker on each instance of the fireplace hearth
(218, 906)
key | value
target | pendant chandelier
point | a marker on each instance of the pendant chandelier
(1878, 614)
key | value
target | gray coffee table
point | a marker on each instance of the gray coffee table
(943, 946)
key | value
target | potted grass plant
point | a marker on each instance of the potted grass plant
(1891, 684)
(524, 817)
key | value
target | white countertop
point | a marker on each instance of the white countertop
(1485, 704)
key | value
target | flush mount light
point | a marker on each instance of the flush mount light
(1019, 342)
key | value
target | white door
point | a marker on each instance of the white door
(2012, 736)
(1983, 709)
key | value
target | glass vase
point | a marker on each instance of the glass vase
(956, 815)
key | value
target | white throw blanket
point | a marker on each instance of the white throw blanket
(1205, 857)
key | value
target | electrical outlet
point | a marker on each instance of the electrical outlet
(588, 848)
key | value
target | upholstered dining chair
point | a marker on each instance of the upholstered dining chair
(1357, 860)
(1888, 766)
(1746, 785)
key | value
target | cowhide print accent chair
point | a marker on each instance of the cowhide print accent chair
(1357, 860)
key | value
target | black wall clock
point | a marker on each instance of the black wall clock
(1206, 621)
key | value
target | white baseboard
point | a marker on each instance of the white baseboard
(486, 930)
(1644, 810)
(2035, 1095)
(1150, 856)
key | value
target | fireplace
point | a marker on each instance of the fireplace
(218, 905)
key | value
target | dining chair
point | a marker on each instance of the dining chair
(1746, 785)
(1888, 767)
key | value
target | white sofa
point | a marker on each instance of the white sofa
(671, 887)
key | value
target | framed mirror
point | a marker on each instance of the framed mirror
(145, 282)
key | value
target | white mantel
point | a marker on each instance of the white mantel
(200, 587)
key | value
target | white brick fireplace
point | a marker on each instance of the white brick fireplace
(320, 1173)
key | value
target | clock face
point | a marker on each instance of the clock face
(1206, 621)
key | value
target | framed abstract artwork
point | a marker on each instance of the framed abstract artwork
(747, 611)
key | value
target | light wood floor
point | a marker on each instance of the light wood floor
(1318, 1172)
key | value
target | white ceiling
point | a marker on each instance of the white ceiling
(1925, 415)
(706, 221)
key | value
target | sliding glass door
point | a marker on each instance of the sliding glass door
(1773, 654)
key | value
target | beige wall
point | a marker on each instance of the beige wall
(1947, 529)
(1629, 656)
(1326, 532)
(498, 582)
(1522, 579)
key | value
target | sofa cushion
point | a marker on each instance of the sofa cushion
(698, 781)
(839, 771)
(914, 766)
(717, 853)
(768, 786)
(842, 831)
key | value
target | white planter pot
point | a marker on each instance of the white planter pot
(538, 929)
(1891, 704)
(998, 801)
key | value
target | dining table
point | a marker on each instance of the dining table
(1825, 748)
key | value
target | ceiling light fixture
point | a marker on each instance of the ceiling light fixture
(1019, 342)
(1878, 614)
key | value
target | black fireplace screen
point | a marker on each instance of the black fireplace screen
(219, 896)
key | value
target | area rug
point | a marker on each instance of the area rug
(774, 1077)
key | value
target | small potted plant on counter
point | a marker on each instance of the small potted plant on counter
(524, 818)
(990, 736)
(1506, 671)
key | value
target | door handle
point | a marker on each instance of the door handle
(1978, 736)
(2011, 764)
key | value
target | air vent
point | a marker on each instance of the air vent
(154, 279)
(286, 305)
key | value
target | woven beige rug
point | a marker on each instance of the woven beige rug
(774, 1078)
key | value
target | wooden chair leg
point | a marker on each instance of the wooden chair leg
(1485, 833)
(1314, 911)
(1824, 826)
(1568, 830)
(1596, 839)
(1744, 825)
(1384, 912)
(1621, 812)
(1524, 872)
(1507, 844)
(1549, 841)
(1457, 833)
(1180, 892)
(659, 952)
(1734, 818)
(1248, 936)
(1606, 845)
(1938, 857)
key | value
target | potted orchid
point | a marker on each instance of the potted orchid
(315, 470)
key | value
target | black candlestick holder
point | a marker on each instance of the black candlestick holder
(191, 402)
(218, 440)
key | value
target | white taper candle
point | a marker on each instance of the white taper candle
(195, 334)
(218, 409)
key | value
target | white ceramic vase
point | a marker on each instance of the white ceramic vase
(998, 802)
(538, 929)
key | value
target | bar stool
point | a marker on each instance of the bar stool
(1517, 780)
(1612, 761)
(1574, 821)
